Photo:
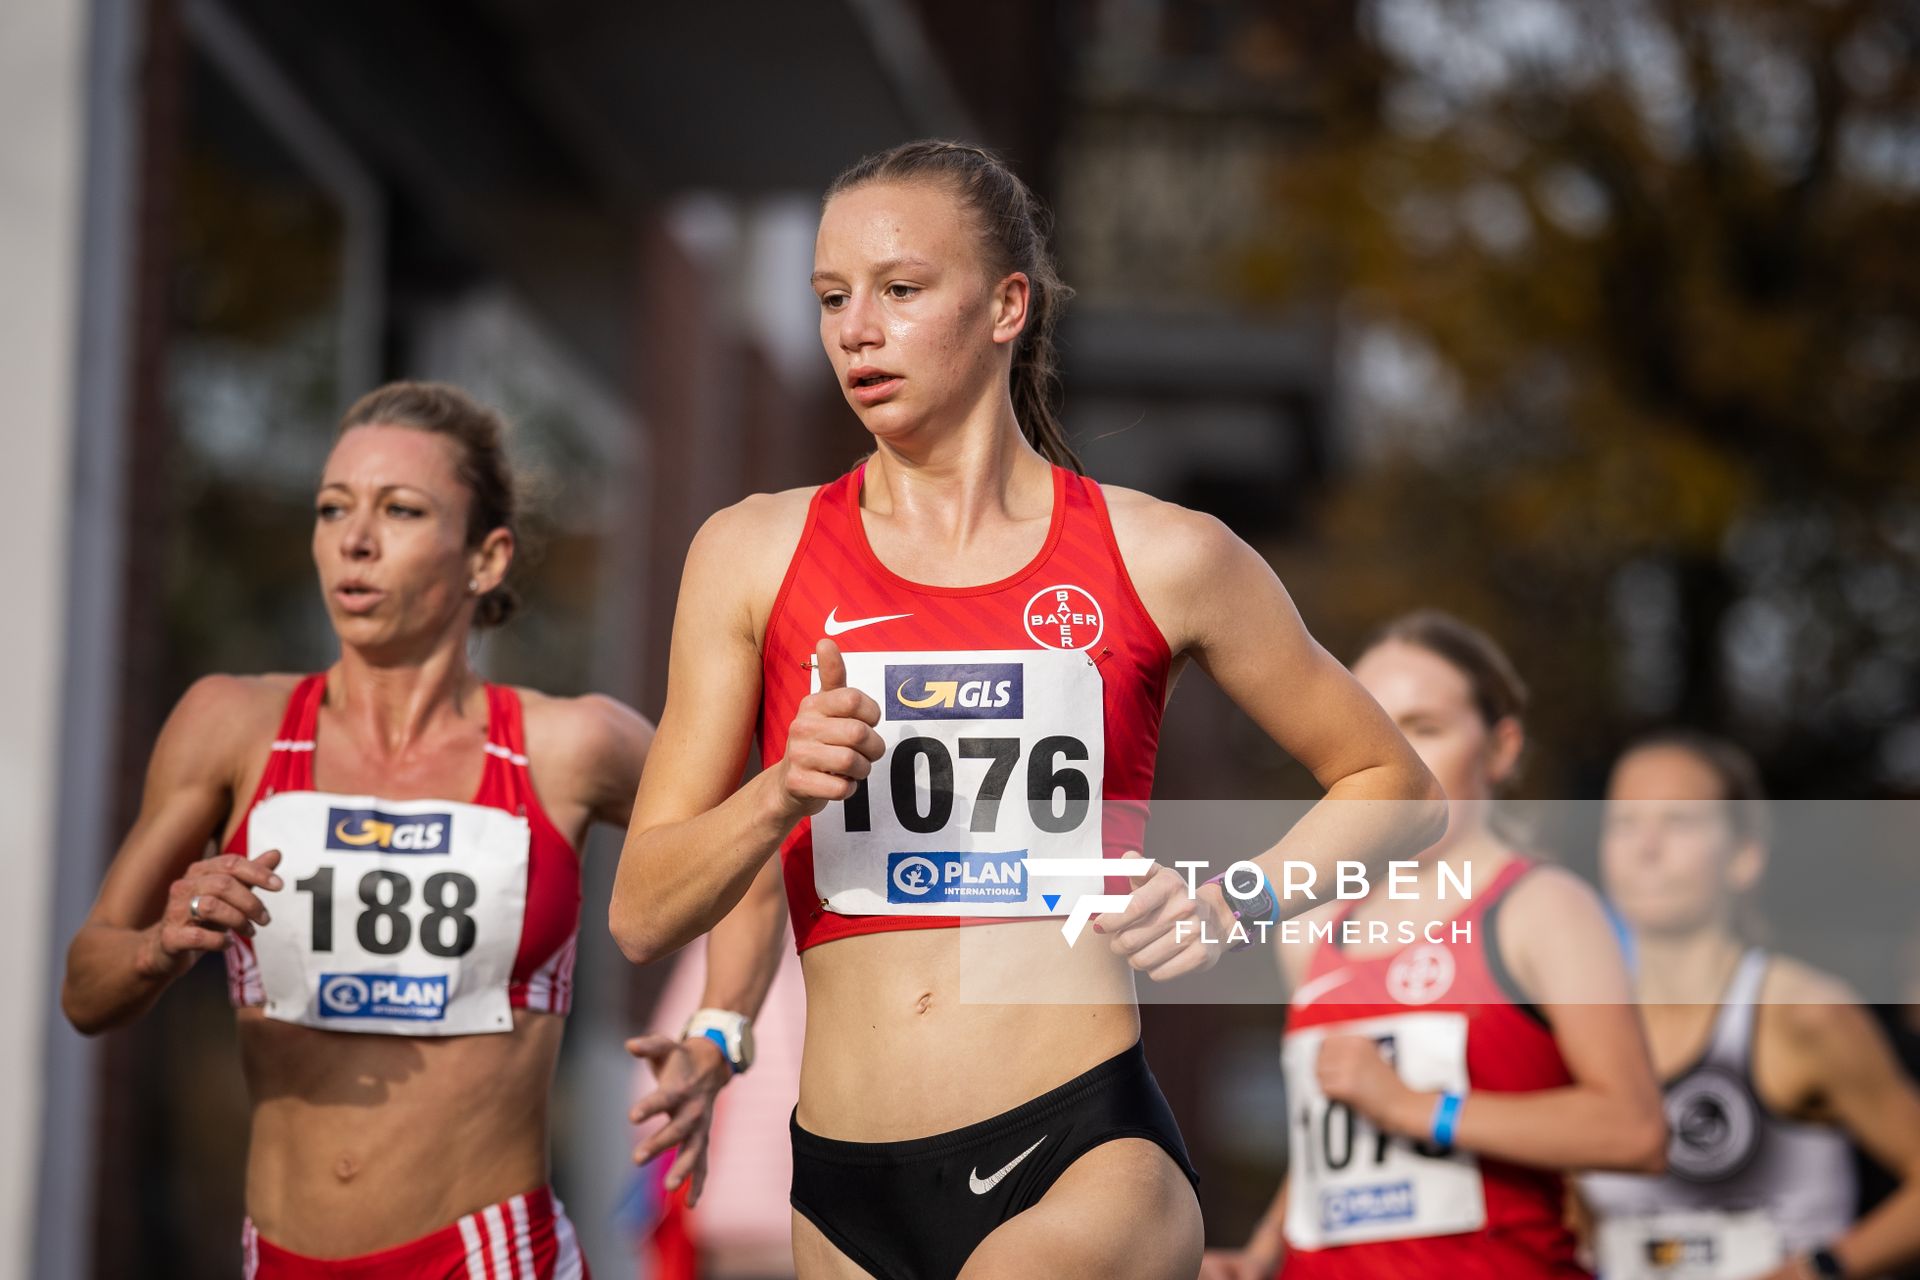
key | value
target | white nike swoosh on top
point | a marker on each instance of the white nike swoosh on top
(983, 1185)
(836, 627)
(1311, 991)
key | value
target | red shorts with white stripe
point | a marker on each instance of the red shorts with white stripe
(525, 1238)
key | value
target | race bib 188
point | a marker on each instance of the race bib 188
(398, 917)
(1349, 1183)
(993, 758)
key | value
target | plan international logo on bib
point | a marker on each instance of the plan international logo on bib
(954, 691)
(957, 877)
(1354, 1206)
(371, 831)
(383, 995)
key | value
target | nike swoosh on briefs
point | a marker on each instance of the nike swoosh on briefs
(836, 627)
(983, 1185)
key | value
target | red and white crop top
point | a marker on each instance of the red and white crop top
(541, 975)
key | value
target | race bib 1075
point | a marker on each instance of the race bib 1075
(1348, 1183)
(992, 758)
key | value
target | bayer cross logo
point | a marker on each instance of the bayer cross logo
(1064, 617)
(1420, 975)
(914, 876)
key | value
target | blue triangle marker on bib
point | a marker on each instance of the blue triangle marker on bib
(1051, 899)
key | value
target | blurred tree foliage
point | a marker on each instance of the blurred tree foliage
(1629, 305)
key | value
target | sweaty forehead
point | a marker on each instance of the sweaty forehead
(884, 222)
(1663, 773)
(379, 456)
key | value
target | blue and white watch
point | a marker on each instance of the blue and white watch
(732, 1032)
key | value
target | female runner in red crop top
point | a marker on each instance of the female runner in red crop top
(1497, 1007)
(402, 962)
(995, 636)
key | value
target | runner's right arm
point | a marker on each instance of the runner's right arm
(139, 935)
(698, 838)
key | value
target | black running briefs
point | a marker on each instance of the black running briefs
(916, 1210)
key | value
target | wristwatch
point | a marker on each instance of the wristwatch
(1262, 907)
(1825, 1264)
(733, 1032)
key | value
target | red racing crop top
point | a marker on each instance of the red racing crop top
(1021, 719)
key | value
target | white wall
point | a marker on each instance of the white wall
(42, 100)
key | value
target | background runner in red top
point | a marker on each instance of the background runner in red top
(1508, 1049)
(836, 587)
(1439, 1083)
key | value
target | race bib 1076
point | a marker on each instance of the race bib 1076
(398, 917)
(992, 758)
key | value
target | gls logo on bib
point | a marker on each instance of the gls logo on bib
(369, 830)
(377, 995)
(955, 691)
(957, 877)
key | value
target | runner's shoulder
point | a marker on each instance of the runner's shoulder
(1791, 981)
(1141, 515)
(578, 731)
(1812, 1004)
(1549, 916)
(761, 516)
(759, 530)
(1548, 890)
(740, 556)
(223, 720)
(1169, 542)
(238, 701)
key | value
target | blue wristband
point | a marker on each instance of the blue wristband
(1446, 1118)
(719, 1037)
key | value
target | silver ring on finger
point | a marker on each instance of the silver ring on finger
(193, 907)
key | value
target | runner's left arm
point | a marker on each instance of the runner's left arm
(1218, 601)
(1863, 1088)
